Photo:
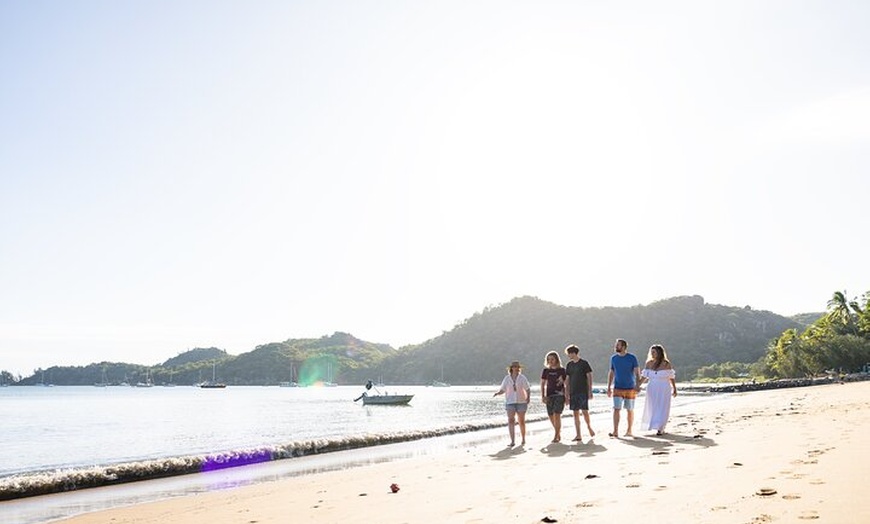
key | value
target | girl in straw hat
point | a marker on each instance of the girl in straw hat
(517, 392)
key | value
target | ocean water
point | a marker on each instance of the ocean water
(61, 438)
(51, 428)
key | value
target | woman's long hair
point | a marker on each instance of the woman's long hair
(657, 355)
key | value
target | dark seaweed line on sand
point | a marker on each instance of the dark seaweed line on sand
(58, 481)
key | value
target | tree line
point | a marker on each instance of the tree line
(705, 341)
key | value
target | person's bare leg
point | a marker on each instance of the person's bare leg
(588, 423)
(521, 417)
(615, 423)
(511, 422)
(557, 424)
(630, 419)
(577, 426)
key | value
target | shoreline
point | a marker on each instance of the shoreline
(780, 454)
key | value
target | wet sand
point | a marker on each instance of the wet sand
(787, 455)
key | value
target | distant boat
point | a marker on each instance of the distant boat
(292, 383)
(386, 400)
(213, 383)
(328, 382)
(440, 383)
(382, 399)
(103, 382)
(147, 383)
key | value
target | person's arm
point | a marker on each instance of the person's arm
(566, 384)
(528, 389)
(637, 377)
(544, 389)
(589, 385)
(674, 383)
(610, 382)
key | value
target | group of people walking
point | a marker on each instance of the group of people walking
(572, 384)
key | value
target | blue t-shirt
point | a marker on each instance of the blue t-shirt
(623, 370)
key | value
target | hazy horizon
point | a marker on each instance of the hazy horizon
(182, 174)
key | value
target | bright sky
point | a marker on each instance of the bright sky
(185, 174)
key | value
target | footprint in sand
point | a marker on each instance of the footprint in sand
(765, 492)
(808, 515)
(584, 505)
(791, 497)
(632, 485)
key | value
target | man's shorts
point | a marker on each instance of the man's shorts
(519, 407)
(624, 398)
(579, 401)
(555, 405)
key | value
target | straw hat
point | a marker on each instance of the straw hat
(515, 363)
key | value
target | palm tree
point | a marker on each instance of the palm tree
(840, 314)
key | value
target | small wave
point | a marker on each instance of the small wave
(70, 479)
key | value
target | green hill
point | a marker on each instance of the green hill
(477, 350)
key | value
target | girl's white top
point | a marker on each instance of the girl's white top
(515, 389)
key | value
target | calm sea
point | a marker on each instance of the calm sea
(77, 436)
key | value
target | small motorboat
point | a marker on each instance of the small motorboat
(382, 399)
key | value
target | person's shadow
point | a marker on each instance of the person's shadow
(667, 441)
(588, 448)
(508, 453)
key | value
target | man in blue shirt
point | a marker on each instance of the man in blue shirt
(623, 382)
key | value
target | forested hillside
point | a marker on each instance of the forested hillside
(475, 351)
(694, 333)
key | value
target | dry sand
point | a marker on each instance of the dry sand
(788, 455)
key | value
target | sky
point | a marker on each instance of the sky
(180, 174)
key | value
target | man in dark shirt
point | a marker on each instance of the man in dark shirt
(579, 389)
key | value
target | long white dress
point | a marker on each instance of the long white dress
(657, 407)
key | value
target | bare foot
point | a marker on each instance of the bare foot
(629, 434)
(577, 439)
(591, 433)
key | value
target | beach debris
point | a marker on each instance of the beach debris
(591, 476)
(738, 463)
(549, 519)
(394, 487)
(765, 492)
(660, 452)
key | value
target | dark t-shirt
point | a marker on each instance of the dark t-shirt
(577, 376)
(555, 380)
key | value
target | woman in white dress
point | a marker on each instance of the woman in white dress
(661, 377)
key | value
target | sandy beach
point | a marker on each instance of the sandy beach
(788, 455)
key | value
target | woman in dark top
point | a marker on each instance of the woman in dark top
(553, 391)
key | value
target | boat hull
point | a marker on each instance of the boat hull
(386, 400)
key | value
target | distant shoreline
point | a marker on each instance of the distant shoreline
(778, 384)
